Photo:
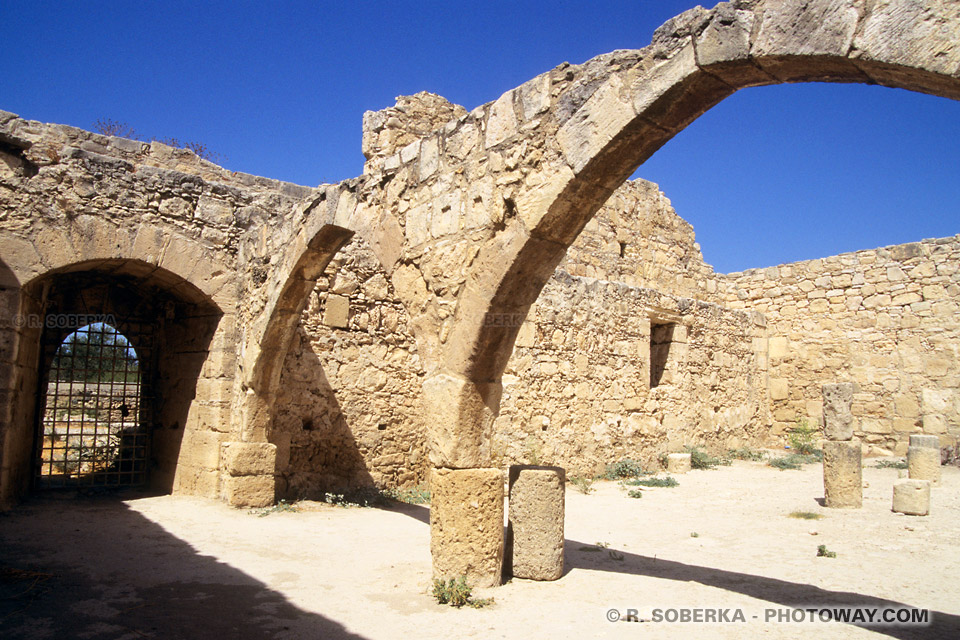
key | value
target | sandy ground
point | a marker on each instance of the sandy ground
(174, 567)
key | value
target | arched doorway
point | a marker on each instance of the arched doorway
(94, 417)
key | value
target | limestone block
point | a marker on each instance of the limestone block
(248, 458)
(911, 497)
(842, 475)
(248, 491)
(459, 417)
(923, 463)
(678, 462)
(336, 312)
(923, 440)
(534, 542)
(466, 525)
(837, 417)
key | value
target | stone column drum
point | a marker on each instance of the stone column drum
(466, 525)
(923, 458)
(842, 465)
(911, 497)
(535, 526)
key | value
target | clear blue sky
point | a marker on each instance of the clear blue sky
(771, 175)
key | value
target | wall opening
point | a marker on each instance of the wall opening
(94, 405)
(661, 340)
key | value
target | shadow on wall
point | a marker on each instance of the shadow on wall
(96, 568)
(316, 450)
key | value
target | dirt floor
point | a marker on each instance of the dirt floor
(174, 567)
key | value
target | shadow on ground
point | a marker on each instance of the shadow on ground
(94, 568)
(581, 555)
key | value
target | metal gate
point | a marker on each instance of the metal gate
(94, 428)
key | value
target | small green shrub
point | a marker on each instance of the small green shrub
(888, 463)
(416, 495)
(806, 515)
(626, 468)
(694, 534)
(700, 459)
(745, 453)
(362, 497)
(583, 484)
(280, 507)
(668, 481)
(802, 437)
(635, 493)
(823, 552)
(794, 461)
(457, 593)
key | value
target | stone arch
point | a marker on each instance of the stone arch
(348, 413)
(192, 381)
(635, 101)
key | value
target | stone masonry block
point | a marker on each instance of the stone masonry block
(336, 312)
(842, 475)
(837, 417)
(923, 463)
(678, 462)
(534, 542)
(911, 497)
(466, 525)
(248, 491)
(248, 458)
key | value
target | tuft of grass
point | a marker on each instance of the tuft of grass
(626, 468)
(794, 461)
(823, 552)
(694, 534)
(806, 515)
(802, 437)
(583, 484)
(700, 459)
(280, 507)
(668, 481)
(417, 495)
(891, 463)
(745, 453)
(635, 493)
(362, 497)
(457, 593)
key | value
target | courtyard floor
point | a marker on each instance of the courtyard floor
(175, 567)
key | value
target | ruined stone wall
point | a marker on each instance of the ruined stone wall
(349, 410)
(887, 320)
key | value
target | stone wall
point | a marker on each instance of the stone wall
(887, 320)
(349, 410)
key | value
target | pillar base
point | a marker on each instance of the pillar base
(842, 475)
(534, 542)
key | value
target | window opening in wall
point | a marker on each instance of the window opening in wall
(93, 425)
(661, 338)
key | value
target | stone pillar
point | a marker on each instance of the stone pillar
(842, 465)
(911, 497)
(923, 458)
(466, 525)
(842, 475)
(247, 471)
(534, 542)
(678, 462)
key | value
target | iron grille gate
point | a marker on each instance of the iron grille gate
(93, 409)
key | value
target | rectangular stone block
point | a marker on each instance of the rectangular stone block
(466, 525)
(248, 458)
(837, 417)
(923, 463)
(911, 497)
(678, 462)
(534, 542)
(248, 491)
(842, 475)
(336, 311)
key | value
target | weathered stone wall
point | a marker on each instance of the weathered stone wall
(349, 402)
(887, 320)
